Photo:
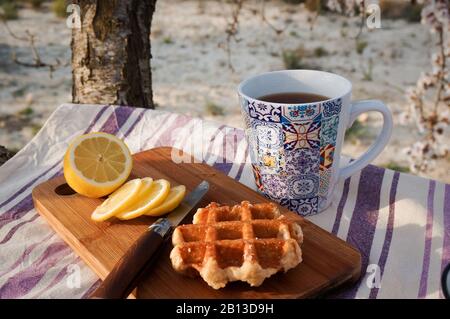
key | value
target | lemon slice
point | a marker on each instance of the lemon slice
(148, 200)
(174, 199)
(117, 201)
(96, 164)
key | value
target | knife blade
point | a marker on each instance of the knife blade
(138, 258)
(189, 202)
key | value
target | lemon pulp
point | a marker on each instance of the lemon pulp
(96, 164)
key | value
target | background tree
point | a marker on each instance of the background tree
(111, 53)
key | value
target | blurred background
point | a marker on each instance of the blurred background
(203, 49)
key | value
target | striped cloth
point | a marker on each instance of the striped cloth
(399, 222)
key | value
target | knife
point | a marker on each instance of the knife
(140, 256)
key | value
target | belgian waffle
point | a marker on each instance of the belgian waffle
(247, 242)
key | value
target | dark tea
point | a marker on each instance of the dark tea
(293, 98)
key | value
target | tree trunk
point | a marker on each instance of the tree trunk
(111, 53)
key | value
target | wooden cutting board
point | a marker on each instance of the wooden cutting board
(327, 260)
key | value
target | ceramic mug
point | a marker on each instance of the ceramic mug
(296, 148)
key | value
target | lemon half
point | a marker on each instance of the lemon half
(96, 164)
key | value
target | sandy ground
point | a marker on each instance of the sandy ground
(191, 70)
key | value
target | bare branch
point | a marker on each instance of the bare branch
(278, 31)
(441, 79)
(362, 13)
(232, 30)
(37, 61)
(11, 33)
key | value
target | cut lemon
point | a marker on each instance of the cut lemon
(118, 200)
(96, 164)
(174, 199)
(154, 197)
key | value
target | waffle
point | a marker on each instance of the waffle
(245, 242)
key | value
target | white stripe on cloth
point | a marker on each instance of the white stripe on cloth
(349, 206)
(326, 218)
(403, 267)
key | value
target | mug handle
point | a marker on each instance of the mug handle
(380, 143)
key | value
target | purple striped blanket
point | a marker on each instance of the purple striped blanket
(399, 222)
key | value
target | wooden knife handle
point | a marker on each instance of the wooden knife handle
(123, 278)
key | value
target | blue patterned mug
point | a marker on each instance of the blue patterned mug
(296, 148)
